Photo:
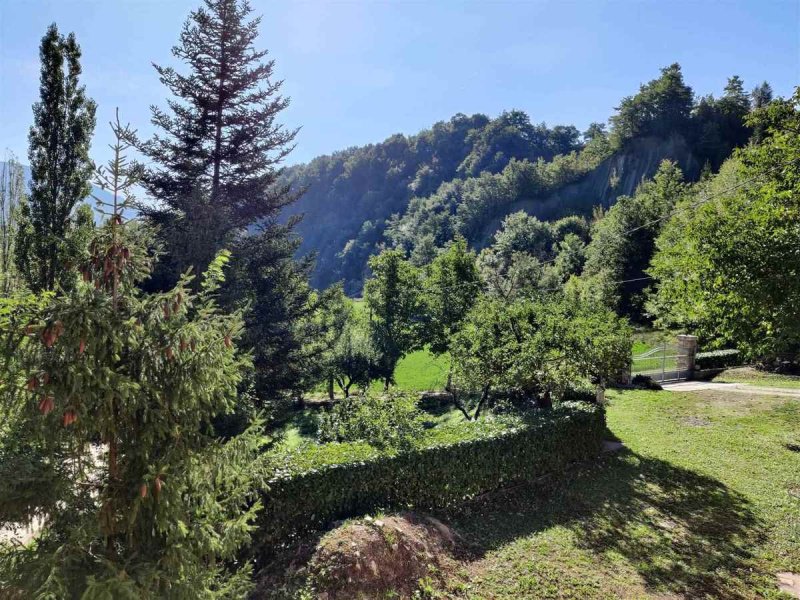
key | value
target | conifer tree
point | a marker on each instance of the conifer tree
(218, 146)
(112, 445)
(59, 140)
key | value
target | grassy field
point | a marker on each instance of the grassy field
(703, 502)
(752, 376)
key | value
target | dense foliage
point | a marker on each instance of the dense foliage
(394, 302)
(387, 421)
(110, 393)
(318, 484)
(352, 193)
(534, 350)
(50, 236)
(463, 176)
(727, 263)
(623, 241)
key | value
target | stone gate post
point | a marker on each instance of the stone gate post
(687, 349)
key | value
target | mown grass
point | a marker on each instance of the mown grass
(703, 502)
(753, 376)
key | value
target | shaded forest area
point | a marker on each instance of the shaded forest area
(463, 176)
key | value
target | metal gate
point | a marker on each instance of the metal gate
(668, 362)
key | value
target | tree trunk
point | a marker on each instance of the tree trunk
(217, 155)
(546, 401)
(600, 393)
(481, 402)
(330, 387)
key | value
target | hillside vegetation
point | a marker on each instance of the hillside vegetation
(463, 176)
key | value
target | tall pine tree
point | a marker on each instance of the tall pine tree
(218, 149)
(59, 140)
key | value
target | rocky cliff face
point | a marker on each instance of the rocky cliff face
(618, 175)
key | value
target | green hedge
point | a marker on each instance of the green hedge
(717, 359)
(319, 484)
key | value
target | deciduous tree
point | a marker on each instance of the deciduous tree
(394, 301)
(59, 140)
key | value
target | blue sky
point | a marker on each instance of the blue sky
(360, 71)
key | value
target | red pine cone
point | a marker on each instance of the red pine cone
(69, 417)
(46, 404)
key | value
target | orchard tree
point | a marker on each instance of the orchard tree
(59, 140)
(113, 448)
(394, 301)
(326, 324)
(451, 287)
(354, 360)
(536, 350)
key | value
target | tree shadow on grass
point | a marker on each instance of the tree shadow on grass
(683, 532)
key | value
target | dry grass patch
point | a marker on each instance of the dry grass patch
(396, 556)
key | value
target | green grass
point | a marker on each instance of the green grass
(752, 376)
(420, 371)
(699, 504)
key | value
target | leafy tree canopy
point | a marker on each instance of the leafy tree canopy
(727, 266)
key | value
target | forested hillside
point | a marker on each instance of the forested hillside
(466, 174)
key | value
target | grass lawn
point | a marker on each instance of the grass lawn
(420, 371)
(752, 376)
(703, 502)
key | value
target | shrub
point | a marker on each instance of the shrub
(318, 484)
(645, 382)
(382, 421)
(718, 359)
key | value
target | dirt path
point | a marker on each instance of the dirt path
(737, 388)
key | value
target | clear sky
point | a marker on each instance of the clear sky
(359, 71)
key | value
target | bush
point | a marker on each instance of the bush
(318, 484)
(390, 421)
(718, 359)
(645, 382)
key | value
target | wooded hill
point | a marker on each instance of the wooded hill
(466, 174)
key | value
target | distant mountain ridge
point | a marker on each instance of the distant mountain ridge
(96, 191)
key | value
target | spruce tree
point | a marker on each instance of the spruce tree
(218, 146)
(59, 140)
(109, 396)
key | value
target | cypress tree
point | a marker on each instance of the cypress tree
(218, 149)
(59, 140)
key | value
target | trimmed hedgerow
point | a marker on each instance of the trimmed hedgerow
(718, 359)
(315, 485)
